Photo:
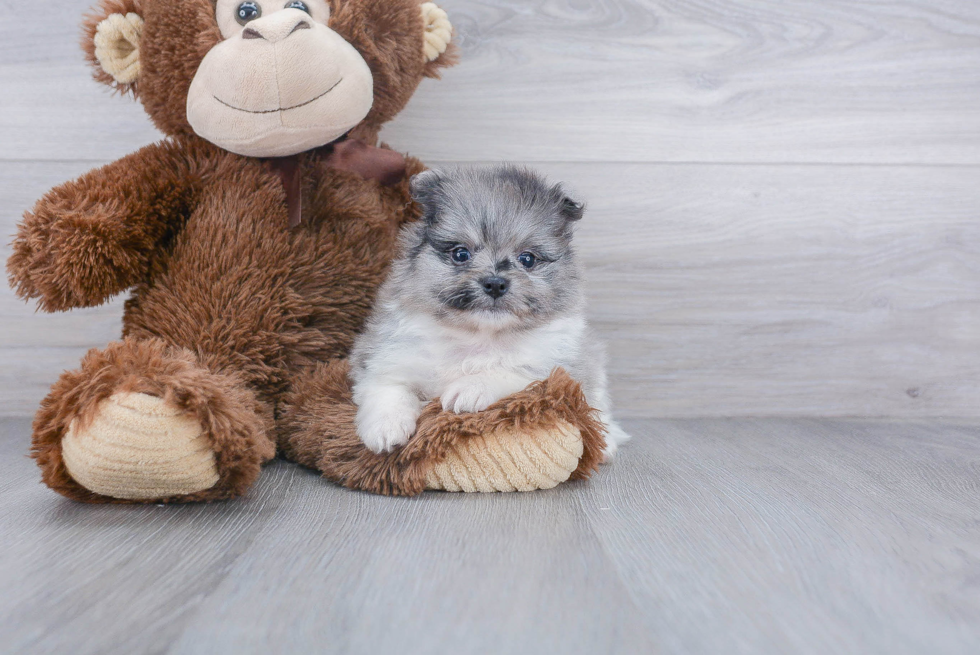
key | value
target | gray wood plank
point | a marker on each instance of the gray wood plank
(111, 579)
(28, 374)
(799, 536)
(721, 290)
(741, 81)
(760, 291)
(611, 80)
(705, 536)
(442, 573)
(54, 110)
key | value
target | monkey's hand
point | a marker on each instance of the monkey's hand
(94, 237)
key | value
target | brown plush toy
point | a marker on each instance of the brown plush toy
(253, 239)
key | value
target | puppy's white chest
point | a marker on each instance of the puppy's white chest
(488, 355)
(530, 354)
(479, 359)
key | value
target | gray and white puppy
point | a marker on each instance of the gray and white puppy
(485, 298)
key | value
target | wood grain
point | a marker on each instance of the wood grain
(122, 579)
(807, 291)
(741, 289)
(721, 290)
(609, 80)
(438, 574)
(698, 80)
(798, 536)
(705, 536)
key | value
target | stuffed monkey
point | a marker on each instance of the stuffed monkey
(252, 240)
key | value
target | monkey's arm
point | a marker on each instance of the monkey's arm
(94, 237)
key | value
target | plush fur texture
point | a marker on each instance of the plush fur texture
(232, 314)
(321, 406)
(239, 426)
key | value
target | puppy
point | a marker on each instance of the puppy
(485, 298)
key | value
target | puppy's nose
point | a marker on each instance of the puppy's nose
(276, 26)
(495, 286)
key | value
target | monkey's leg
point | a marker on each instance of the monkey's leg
(534, 439)
(141, 421)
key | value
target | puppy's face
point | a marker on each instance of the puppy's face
(493, 251)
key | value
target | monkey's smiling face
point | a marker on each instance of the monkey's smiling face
(281, 82)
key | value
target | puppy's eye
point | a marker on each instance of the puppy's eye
(296, 4)
(527, 259)
(461, 255)
(247, 11)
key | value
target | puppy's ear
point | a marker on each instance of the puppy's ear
(570, 210)
(425, 188)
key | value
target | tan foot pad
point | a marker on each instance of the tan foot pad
(139, 447)
(510, 461)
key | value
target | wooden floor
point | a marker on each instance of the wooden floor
(707, 536)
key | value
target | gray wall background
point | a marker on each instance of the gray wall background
(783, 195)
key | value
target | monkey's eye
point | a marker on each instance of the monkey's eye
(247, 11)
(461, 255)
(296, 4)
(527, 259)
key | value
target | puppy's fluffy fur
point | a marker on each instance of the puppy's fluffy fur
(485, 298)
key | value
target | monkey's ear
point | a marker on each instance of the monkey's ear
(425, 187)
(111, 41)
(438, 49)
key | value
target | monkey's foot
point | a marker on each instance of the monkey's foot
(510, 459)
(139, 447)
(142, 421)
(534, 439)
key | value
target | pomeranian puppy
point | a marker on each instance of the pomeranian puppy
(485, 298)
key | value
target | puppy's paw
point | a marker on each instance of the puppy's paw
(609, 452)
(469, 394)
(385, 429)
(615, 435)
